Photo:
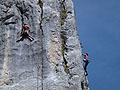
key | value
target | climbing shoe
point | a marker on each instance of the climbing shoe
(17, 40)
(86, 74)
(31, 39)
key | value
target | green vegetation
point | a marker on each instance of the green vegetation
(63, 46)
(65, 67)
(64, 13)
(64, 60)
(63, 16)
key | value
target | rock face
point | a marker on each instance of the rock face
(53, 61)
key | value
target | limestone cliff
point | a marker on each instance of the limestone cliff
(53, 61)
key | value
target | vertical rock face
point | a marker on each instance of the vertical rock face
(53, 61)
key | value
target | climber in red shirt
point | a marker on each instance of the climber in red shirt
(25, 33)
(86, 62)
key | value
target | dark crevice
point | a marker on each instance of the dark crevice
(66, 69)
(23, 10)
(63, 37)
(82, 85)
(5, 11)
(40, 3)
(6, 18)
(63, 12)
(62, 4)
(7, 23)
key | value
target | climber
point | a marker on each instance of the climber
(86, 62)
(25, 33)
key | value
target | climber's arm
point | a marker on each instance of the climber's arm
(83, 54)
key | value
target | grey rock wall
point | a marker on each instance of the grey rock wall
(53, 61)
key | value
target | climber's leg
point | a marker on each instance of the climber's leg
(19, 38)
(30, 38)
(85, 68)
(86, 73)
